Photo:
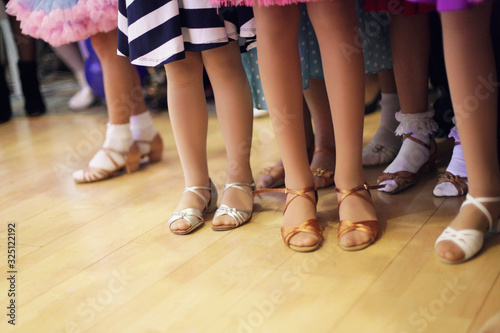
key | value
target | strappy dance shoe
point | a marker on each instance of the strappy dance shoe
(310, 226)
(277, 173)
(460, 183)
(405, 179)
(369, 227)
(193, 215)
(239, 216)
(318, 173)
(470, 240)
(90, 174)
(155, 150)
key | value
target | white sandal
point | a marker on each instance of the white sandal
(470, 240)
(193, 215)
(239, 216)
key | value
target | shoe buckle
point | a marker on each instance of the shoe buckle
(319, 172)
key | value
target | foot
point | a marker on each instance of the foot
(322, 162)
(454, 182)
(83, 99)
(356, 209)
(190, 200)
(382, 148)
(469, 218)
(238, 199)
(107, 162)
(272, 177)
(416, 154)
(297, 212)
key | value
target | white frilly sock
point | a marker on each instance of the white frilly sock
(412, 156)
(384, 145)
(456, 167)
(119, 138)
(143, 129)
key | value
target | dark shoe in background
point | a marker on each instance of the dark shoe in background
(33, 101)
(5, 108)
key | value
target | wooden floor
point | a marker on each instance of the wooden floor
(100, 258)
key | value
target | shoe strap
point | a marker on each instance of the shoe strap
(268, 170)
(478, 202)
(147, 142)
(459, 182)
(108, 152)
(194, 189)
(239, 187)
(420, 142)
(324, 150)
(468, 240)
(298, 193)
(354, 191)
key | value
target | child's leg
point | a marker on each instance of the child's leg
(235, 113)
(316, 97)
(26, 47)
(271, 176)
(335, 26)
(277, 28)
(188, 114)
(122, 83)
(71, 56)
(410, 45)
(123, 97)
(472, 78)
(385, 145)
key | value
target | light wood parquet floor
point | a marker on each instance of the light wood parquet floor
(99, 257)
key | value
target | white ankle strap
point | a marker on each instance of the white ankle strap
(478, 203)
(194, 189)
(238, 186)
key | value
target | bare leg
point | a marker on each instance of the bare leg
(410, 45)
(235, 113)
(277, 28)
(124, 98)
(189, 117)
(122, 84)
(475, 105)
(410, 36)
(334, 24)
(317, 101)
(268, 178)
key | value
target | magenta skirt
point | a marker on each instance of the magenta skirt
(450, 5)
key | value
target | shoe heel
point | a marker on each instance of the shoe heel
(213, 199)
(156, 153)
(133, 159)
(495, 228)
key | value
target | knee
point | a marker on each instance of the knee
(182, 73)
(104, 44)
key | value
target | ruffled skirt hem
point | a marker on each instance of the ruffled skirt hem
(62, 26)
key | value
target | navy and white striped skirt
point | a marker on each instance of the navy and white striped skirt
(156, 32)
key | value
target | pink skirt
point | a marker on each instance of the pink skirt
(62, 22)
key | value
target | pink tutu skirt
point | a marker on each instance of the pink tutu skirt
(450, 5)
(62, 22)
